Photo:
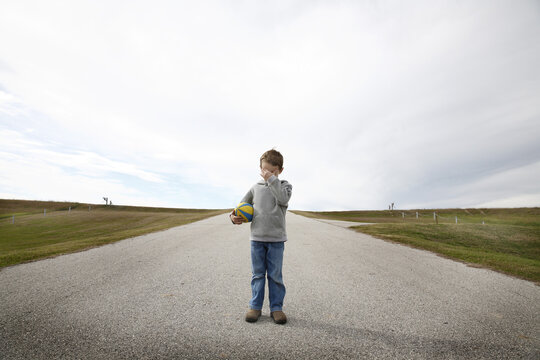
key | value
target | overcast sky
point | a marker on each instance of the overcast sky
(171, 103)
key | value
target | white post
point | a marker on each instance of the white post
(89, 207)
(69, 210)
(13, 219)
(417, 214)
(403, 215)
(456, 219)
(483, 222)
(434, 215)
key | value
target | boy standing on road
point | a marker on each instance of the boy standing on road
(270, 199)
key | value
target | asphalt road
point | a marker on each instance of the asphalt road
(183, 293)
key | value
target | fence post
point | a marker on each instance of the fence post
(417, 215)
(89, 207)
(69, 210)
(13, 219)
(403, 215)
(456, 219)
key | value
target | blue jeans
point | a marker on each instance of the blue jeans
(267, 259)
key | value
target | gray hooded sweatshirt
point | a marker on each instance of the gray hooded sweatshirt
(270, 200)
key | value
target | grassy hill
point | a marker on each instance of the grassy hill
(34, 235)
(505, 240)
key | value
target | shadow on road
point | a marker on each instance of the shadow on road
(352, 338)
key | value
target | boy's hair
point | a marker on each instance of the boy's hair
(273, 157)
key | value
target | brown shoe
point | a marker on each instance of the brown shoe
(253, 315)
(279, 317)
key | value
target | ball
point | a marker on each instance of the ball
(244, 210)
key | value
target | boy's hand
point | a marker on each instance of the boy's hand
(237, 220)
(266, 174)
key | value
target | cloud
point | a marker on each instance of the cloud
(370, 102)
(82, 162)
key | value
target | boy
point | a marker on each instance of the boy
(270, 198)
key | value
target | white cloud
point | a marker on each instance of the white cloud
(524, 200)
(83, 162)
(370, 102)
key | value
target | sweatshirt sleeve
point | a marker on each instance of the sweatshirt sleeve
(281, 189)
(248, 198)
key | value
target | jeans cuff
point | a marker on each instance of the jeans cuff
(276, 309)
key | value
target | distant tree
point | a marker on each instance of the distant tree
(106, 200)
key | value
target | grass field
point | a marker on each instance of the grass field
(508, 241)
(34, 235)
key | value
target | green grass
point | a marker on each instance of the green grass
(34, 236)
(509, 240)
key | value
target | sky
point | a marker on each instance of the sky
(426, 104)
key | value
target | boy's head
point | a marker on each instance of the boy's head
(272, 160)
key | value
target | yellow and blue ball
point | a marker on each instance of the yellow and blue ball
(244, 210)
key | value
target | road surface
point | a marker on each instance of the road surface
(183, 293)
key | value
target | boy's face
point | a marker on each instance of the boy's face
(271, 168)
